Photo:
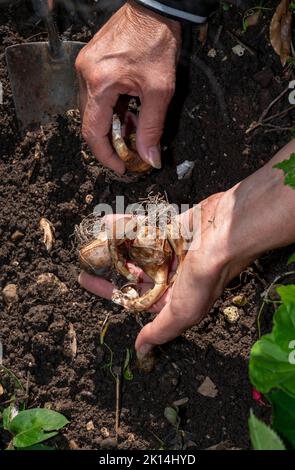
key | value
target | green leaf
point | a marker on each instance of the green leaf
(287, 293)
(127, 372)
(6, 418)
(262, 436)
(245, 25)
(283, 414)
(288, 167)
(7, 415)
(171, 414)
(31, 437)
(291, 259)
(272, 358)
(31, 427)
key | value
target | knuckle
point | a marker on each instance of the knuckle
(79, 63)
(153, 133)
(95, 79)
(169, 90)
(82, 60)
(165, 90)
(93, 75)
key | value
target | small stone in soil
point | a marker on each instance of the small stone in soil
(212, 53)
(240, 300)
(89, 198)
(17, 235)
(208, 388)
(90, 426)
(73, 445)
(51, 281)
(231, 314)
(104, 432)
(9, 294)
(238, 50)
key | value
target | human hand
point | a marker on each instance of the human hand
(200, 279)
(135, 53)
(236, 227)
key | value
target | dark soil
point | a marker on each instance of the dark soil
(35, 330)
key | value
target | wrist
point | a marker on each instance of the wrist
(141, 15)
(251, 216)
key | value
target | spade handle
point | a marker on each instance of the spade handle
(44, 9)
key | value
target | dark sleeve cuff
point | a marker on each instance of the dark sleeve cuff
(195, 11)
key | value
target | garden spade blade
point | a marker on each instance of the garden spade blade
(42, 74)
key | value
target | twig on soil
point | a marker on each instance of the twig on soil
(35, 36)
(239, 41)
(12, 400)
(158, 439)
(279, 114)
(118, 373)
(266, 111)
(214, 84)
(104, 328)
(273, 128)
(266, 300)
(263, 119)
(246, 272)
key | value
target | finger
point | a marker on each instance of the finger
(96, 285)
(97, 123)
(181, 311)
(139, 273)
(154, 105)
(105, 289)
(165, 327)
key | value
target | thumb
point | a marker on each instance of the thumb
(165, 327)
(154, 105)
(190, 298)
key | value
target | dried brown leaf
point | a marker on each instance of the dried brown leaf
(281, 31)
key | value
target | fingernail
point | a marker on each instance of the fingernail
(144, 350)
(79, 278)
(154, 156)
